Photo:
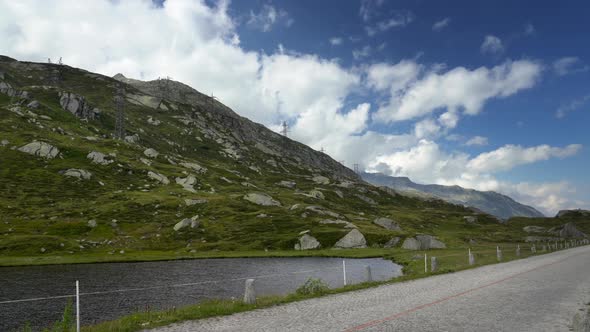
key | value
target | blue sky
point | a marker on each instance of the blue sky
(491, 95)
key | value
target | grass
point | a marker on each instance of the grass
(450, 260)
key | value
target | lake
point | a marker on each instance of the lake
(111, 290)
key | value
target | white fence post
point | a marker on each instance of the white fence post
(77, 306)
(344, 271)
(425, 263)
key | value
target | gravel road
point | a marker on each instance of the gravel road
(540, 293)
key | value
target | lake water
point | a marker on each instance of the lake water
(111, 290)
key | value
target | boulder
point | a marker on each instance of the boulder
(33, 104)
(191, 202)
(323, 211)
(387, 224)
(78, 173)
(187, 183)
(158, 177)
(316, 194)
(151, 153)
(392, 243)
(321, 179)
(194, 166)
(534, 229)
(346, 224)
(132, 139)
(339, 193)
(470, 219)
(411, 244)
(287, 184)
(366, 199)
(153, 122)
(4, 142)
(354, 239)
(192, 222)
(77, 105)
(307, 242)
(40, 149)
(92, 223)
(99, 158)
(567, 230)
(429, 242)
(261, 199)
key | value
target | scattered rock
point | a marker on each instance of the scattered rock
(158, 177)
(187, 183)
(316, 194)
(366, 199)
(261, 199)
(4, 142)
(77, 105)
(92, 223)
(287, 184)
(430, 242)
(132, 139)
(304, 232)
(354, 239)
(392, 243)
(338, 221)
(99, 158)
(321, 179)
(191, 202)
(33, 104)
(294, 207)
(262, 215)
(411, 244)
(534, 229)
(146, 161)
(40, 149)
(151, 153)
(323, 211)
(272, 163)
(307, 242)
(153, 122)
(194, 166)
(192, 222)
(567, 230)
(470, 219)
(339, 193)
(387, 224)
(43, 250)
(78, 173)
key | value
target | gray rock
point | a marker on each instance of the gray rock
(354, 239)
(78, 173)
(192, 222)
(4, 142)
(433, 264)
(261, 199)
(92, 223)
(320, 179)
(249, 292)
(392, 243)
(366, 199)
(99, 158)
(387, 224)
(153, 122)
(187, 183)
(286, 184)
(33, 104)
(77, 105)
(158, 177)
(132, 139)
(338, 222)
(470, 219)
(567, 230)
(307, 242)
(534, 229)
(411, 244)
(194, 166)
(316, 194)
(191, 202)
(40, 149)
(323, 211)
(151, 153)
(429, 242)
(339, 193)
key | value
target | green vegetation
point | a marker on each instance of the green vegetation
(66, 324)
(313, 286)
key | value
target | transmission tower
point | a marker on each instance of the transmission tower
(356, 168)
(322, 150)
(120, 114)
(285, 129)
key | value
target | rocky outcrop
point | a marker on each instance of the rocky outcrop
(287, 184)
(320, 179)
(573, 213)
(261, 199)
(194, 166)
(151, 153)
(192, 222)
(307, 242)
(158, 177)
(8, 90)
(346, 224)
(40, 149)
(391, 243)
(132, 139)
(187, 183)
(78, 173)
(99, 158)
(567, 231)
(423, 242)
(366, 199)
(78, 106)
(316, 194)
(470, 219)
(411, 244)
(354, 239)
(323, 211)
(387, 223)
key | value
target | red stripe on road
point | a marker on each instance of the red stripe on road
(406, 312)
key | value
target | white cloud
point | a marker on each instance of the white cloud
(401, 19)
(456, 90)
(427, 128)
(569, 65)
(364, 52)
(439, 25)
(492, 45)
(369, 9)
(427, 163)
(267, 17)
(477, 140)
(336, 41)
(529, 29)
(392, 78)
(572, 106)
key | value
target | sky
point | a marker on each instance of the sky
(489, 95)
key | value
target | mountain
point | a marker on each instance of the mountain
(109, 165)
(490, 202)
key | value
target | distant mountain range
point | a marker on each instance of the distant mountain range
(490, 202)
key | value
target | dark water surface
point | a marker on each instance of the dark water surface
(111, 290)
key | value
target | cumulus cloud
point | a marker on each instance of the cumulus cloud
(477, 140)
(572, 106)
(427, 163)
(569, 65)
(364, 52)
(456, 90)
(439, 25)
(369, 9)
(267, 17)
(492, 45)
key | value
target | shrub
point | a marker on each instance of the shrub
(313, 286)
